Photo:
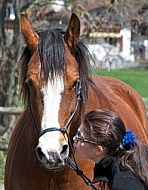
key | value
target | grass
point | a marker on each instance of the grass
(138, 79)
(3, 153)
(2, 165)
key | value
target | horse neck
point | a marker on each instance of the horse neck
(96, 99)
(26, 129)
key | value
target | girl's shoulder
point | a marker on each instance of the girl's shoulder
(125, 179)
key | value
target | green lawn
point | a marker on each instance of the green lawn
(2, 165)
(138, 79)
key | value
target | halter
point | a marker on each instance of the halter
(72, 164)
(64, 129)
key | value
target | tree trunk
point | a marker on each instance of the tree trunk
(8, 74)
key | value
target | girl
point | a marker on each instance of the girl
(121, 159)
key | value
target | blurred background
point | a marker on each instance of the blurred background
(115, 31)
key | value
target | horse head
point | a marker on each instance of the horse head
(54, 79)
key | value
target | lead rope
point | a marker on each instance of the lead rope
(80, 173)
(32, 116)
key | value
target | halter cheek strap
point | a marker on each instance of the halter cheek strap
(32, 116)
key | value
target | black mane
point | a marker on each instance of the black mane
(52, 53)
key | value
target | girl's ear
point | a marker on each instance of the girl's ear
(99, 150)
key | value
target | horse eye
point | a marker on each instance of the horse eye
(75, 84)
(29, 82)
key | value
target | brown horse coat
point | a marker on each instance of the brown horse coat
(23, 170)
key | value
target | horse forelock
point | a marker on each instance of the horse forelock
(52, 54)
(23, 67)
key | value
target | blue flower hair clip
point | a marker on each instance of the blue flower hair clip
(129, 139)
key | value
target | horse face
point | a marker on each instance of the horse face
(59, 100)
(57, 97)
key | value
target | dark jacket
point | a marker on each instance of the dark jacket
(122, 178)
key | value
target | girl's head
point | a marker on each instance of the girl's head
(101, 132)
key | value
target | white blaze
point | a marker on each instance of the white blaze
(51, 98)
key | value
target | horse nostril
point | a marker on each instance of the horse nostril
(39, 153)
(64, 149)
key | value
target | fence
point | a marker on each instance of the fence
(10, 110)
(9, 117)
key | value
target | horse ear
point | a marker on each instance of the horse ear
(72, 34)
(30, 36)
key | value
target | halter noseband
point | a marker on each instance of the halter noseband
(72, 164)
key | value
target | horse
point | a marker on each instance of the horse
(58, 90)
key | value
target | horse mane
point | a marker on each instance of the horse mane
(53, 59)
(52, 54)
(22, 68)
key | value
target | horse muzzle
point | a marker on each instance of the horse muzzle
(52, 159)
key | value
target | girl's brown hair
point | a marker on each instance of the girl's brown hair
(107, 129)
